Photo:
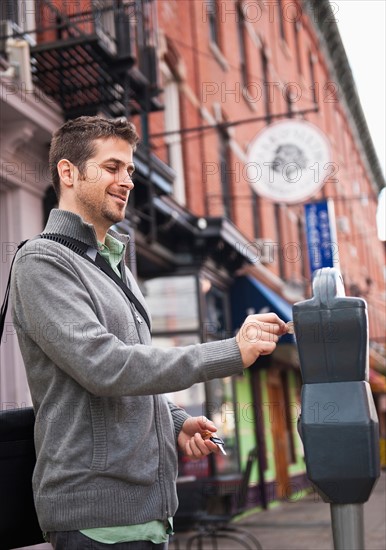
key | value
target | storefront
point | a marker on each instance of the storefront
(256, 413)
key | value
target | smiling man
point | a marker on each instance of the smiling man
(106, 437)
(96, 183)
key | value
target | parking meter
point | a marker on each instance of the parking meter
(338, 424)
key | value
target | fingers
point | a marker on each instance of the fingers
(206, 424)
(259, 335)
(197, 447)
(266, 328)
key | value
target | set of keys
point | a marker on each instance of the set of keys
(216, 440)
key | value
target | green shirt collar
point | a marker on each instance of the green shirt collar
(112, 251)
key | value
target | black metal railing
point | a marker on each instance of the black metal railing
(103, 58)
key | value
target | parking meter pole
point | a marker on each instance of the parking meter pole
(348, 526)
(338, 423)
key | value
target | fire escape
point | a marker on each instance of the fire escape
(99, 60)
(100, 57)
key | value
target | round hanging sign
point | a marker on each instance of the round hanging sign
(289, 161)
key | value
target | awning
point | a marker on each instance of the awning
(249, 295)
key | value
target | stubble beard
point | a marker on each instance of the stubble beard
(103, 217)
(111, 215)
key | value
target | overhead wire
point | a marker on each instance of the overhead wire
(257, 78)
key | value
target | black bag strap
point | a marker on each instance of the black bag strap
(4, 305)
(90, 254)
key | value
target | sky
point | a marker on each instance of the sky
(362, 28)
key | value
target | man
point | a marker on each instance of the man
(106, 437)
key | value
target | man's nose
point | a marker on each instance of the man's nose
(126, 181)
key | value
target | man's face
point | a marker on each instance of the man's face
(102, 191)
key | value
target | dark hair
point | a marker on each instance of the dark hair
(75, 141)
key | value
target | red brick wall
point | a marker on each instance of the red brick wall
(185, 23)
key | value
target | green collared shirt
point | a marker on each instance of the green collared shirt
(154, 531)
(112, 252)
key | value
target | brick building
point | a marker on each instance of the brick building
(229, 69)
(201, 79)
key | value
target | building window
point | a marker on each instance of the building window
(9, 11)
(224, 156)
(242, 44)
(288, 99)
(314, 84)
(303, 247)
(297, 28)
(281, 19)
(17, 16)
(266, 85)
(105, 24)
(255, 214)
(213, 22)
(173, 141)
(280, 233)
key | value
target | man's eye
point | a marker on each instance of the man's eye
(111, 168)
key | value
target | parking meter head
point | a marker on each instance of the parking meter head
(331, 332)
(338, 424)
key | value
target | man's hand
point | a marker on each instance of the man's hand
(259, 335)
(190, 440)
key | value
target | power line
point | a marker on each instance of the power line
(224, 125)
(256, 78)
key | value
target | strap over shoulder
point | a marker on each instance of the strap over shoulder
(4, 305)
(90, 254)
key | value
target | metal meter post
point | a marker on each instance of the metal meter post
(338, 423)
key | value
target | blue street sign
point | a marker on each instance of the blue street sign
(319, 235)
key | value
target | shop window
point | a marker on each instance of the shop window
(214, 309)
(187, 310)
(222, 410)
(173, 304)
(220, 393)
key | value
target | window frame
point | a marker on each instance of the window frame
(241, 34)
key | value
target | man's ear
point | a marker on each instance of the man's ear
(67, 172)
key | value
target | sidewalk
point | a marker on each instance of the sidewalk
(302, 525)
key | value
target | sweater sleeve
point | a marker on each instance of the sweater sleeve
(47, 294)
(179, 416)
